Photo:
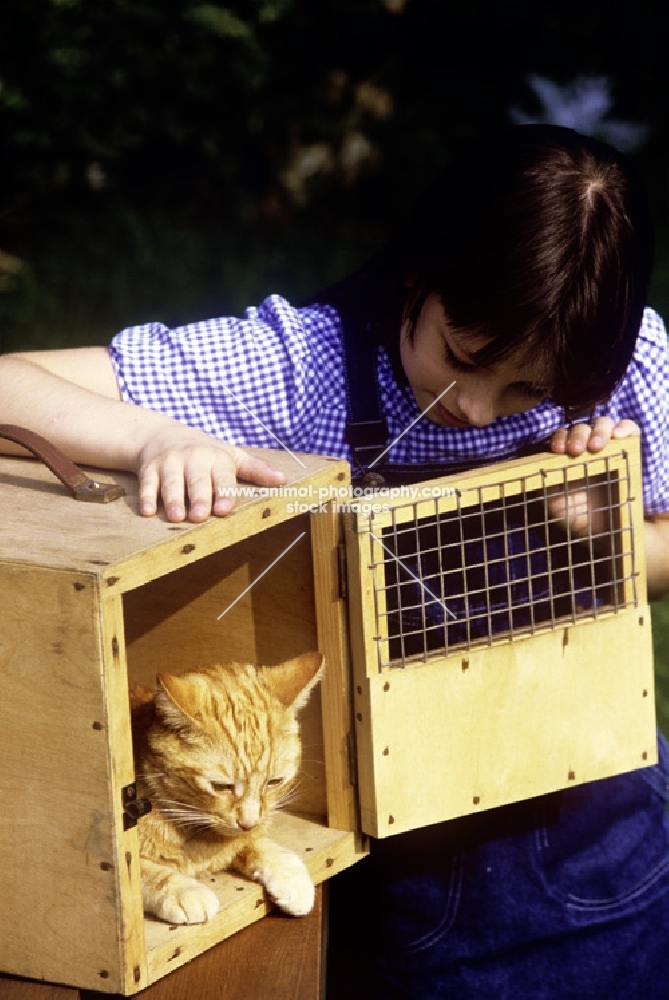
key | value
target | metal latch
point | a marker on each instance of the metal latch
(133, 808)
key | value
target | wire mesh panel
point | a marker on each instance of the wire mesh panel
(499, 651)
(486, 562)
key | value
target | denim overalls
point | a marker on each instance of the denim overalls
(563, 897)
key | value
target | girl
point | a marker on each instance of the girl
(509, 311)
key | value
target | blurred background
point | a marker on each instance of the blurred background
(172, 160)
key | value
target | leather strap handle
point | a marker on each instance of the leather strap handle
(79, 484)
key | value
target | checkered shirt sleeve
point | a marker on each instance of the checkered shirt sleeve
(643, 396)
(271, 379)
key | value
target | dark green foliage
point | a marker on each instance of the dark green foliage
(171, 157)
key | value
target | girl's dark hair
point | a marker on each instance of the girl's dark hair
(539, 238)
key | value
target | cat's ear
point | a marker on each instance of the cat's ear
(176, 700)
(292, 682)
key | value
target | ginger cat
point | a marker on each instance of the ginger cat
(216, 751)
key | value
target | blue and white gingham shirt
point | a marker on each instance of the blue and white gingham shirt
(277, 375)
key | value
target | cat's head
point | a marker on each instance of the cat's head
(225, 745)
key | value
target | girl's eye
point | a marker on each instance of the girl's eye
(221, 786)
(274, 782)
(535, 392)
(462, 366)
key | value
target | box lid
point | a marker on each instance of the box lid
(41, 524)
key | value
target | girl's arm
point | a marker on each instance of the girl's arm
(71, 397)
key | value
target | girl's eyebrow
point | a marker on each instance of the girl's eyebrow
(541, 388)
(466, 358)
(465, 355)
(536, 388)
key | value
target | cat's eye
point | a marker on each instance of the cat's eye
(221, 786)
(274, 782)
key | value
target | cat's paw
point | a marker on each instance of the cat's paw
(189, 903)
(289, 885)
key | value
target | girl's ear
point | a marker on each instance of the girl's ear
(292, 682)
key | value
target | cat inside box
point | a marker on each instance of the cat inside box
(217, 751)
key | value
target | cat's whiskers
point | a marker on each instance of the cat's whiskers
(304, 773)
(185, 814)
(192, 821)
(289, 796)
(178, 803)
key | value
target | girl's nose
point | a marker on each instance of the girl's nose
(478, 403)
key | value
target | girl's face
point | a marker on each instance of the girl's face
(439, 356)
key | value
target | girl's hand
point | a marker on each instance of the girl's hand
(578, 438)
(192, 473)
(585, 513)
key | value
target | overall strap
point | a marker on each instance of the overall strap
(355, 299)
(366, 430)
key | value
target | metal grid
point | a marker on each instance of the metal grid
(500, 568)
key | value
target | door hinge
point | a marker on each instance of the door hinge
(341, 570)
(352, 758)
(133, 808)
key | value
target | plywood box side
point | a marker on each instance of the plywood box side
(637, 566)
(336, 693)
(364, 663)
(518, 721)
(127, 867)
(362, 609)
(56, 815)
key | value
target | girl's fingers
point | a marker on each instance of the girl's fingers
(199, 491)
(559, 441)
(224, 496)
(571, 440)
(149, 483)
(626, 428)
(601, 434)
(254, 470)
(197, 478)
(583, 437)
(172, 491)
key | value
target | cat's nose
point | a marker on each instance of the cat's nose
(248, 816)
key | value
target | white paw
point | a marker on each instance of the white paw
(290, 886)
(190, 903)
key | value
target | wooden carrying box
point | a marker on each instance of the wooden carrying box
(496, 658)
(493, 659)
(92, 595)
